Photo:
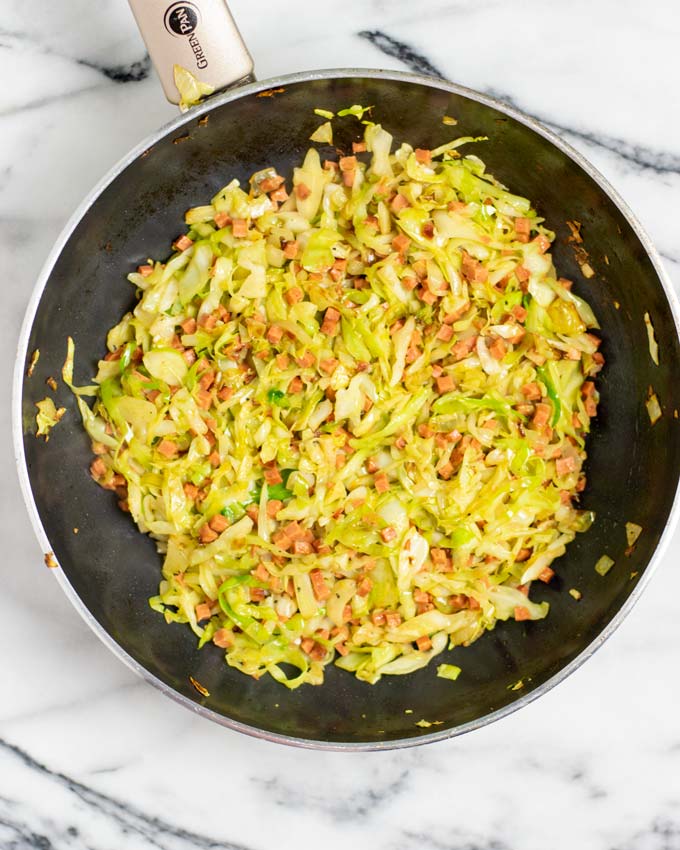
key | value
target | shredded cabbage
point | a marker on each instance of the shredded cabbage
(191, 89)
(603, 565)
(653, 406)
(448, 671)
(633, 531)
(651, 340)
(352, 413)
(47, 417)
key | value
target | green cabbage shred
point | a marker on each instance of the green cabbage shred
(448, 671)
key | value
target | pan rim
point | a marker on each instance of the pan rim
(22, 350)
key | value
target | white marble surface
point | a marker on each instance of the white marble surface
(90, 757)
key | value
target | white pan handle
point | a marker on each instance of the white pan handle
(199, 35)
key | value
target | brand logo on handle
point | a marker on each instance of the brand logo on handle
(181, 18)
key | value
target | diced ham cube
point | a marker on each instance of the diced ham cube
(306, 360)
(202, 611)
(382, 484)
(167, 448)
(273, 476)
(275, 334)
(532, 392)
(294, 294)
(204, 399)
(261, 572)
(206, 534)
(445, 470)
(400, 243)
(365, 586)
(183, 242)
(565, 465)
(463, 347)
(222, 219)
(497, 349)
(445, 384)
(290, 252)
(190, 490)
(348, 163)
(224, 638)
(273, 507)
(219, 523)
(207, 379)
(541, 416)
(319, 586)
(389, 533)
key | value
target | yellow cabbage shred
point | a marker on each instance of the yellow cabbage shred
(47, 417)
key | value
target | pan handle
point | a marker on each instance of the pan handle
(199, 35)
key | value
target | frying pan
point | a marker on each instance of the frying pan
(109, 570)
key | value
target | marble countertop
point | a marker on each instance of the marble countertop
(90, 756)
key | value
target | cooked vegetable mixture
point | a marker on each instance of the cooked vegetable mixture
(351, 409)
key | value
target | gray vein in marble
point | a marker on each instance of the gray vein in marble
(403, 52)
(574, 774)
(658, 161)
(125, 72)
(426, 841)
(662, 834)
(669, 258)
(19, 836)
(127, 818)
(128, 72)
(47, 101)
(359, 805)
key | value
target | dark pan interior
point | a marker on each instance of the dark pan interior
(633, 468)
